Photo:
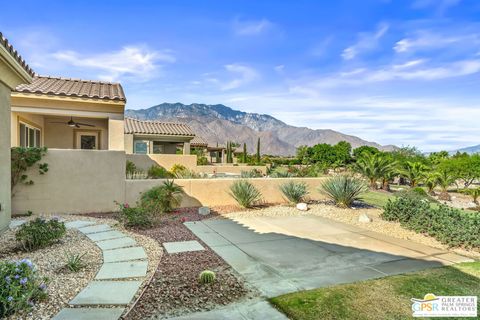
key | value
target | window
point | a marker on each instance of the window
(29, 136)
(141, 147)
(158, 147)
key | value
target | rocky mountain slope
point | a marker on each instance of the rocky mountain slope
(469, 150)
(219, 123)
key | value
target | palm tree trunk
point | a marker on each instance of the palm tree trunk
(385, 185)
(444, 196)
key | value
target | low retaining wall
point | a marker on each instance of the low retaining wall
(77, 181)
(229, 169)
(215, 192)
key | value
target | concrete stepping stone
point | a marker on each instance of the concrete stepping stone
(95, 228)
(78, 224)
(183, 246)
(122, 270)
(107, 293)
(89, 314)
(107, 235)
(124, 254)
(116, 243)
(16, 223)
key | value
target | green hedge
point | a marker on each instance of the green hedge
(448, 225)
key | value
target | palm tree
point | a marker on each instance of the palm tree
(444, 180)
(474, 193)
(431, 182)
(414, 172)
(375, 167)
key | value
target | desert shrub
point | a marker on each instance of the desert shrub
(181, 172)
(24, 158)
(163, 198)
(254, 173)
(448, 225)
(295, 192)
(206, 277)
(130, 168)
(75, 261)
(20, 287)
(245, 193)
(157, 172)
(420, 191)
(40, 233)
(343, 190)
(134, 217)
(202, 161)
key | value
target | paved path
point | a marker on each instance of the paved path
(118, 280)
(279, 255)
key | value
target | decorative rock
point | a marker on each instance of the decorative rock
(364, 218)
(204, 211)
(302, 206)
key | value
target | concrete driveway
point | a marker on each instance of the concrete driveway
(279, 255)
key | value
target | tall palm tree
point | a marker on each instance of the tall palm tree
(414, 172)
(374, 167)
(444, 180)
(431, 182)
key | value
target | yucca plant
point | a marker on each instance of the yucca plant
(207, 277)
(295, 192)
(343, 190)
(75, 261)
(245, 193)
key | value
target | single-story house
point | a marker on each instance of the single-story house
(13, 71)
(198, 143)
(66, 113)
(156, 137)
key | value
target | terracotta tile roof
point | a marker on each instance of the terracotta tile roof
(74, 88)
(14, 53)
(157, 127)
(198, 142)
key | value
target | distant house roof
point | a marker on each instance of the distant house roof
(198, 142)
(14, 53)
(73, 88)
(156, 127)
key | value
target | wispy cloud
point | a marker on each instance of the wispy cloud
(366, 41)
(245, 74)
(437, 39)
(252, 27)
(135, 63)
(440, 6)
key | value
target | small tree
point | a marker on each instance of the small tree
(444, 180)
(415, 172)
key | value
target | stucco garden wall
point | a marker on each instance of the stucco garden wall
(77, 181)
(229, 169)
(214, 192)
(145, 161)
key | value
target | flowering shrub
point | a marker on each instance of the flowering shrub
(40, 233)
(20, 286)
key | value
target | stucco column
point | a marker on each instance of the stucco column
(5, 194)
(186, 148)
(116, 140)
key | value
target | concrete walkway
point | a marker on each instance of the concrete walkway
(124, 267)
(279, 255)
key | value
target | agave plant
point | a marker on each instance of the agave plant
(245, 193)
(344, 190)
(295, 192)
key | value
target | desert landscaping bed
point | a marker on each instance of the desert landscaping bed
(326, 209)
(175, 289)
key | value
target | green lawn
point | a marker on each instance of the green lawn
(377, 198)
(385, 298)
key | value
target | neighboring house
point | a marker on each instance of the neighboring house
(62, 113)
(155, 137)
(13, 71)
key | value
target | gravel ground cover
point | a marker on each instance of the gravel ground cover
(64, 285)
(350, 216)
(174, 289)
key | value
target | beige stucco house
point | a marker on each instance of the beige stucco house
(13, 71)
(155, 137)
(62, 113)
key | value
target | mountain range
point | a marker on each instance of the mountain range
(219, 123)
(469, 150)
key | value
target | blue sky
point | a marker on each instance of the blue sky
(395, 72)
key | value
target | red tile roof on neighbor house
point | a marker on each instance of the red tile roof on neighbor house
(198, 142)
(156, 127)
(14, 53)
(73, 88)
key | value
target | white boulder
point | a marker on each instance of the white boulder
(364, 218)
(302, 206)
(204, 211)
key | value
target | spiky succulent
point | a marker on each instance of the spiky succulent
(206, 277)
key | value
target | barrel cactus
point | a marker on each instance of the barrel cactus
(207, 276)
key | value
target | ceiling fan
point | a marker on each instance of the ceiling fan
(74, 124)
